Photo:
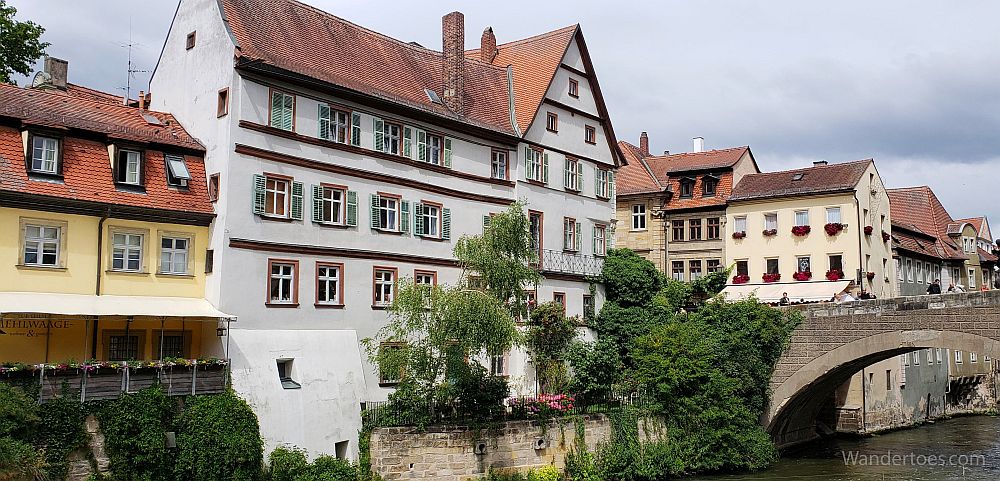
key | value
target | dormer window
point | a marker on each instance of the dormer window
(708, 186)
(128, 167)
(687, 187)
(45, 155)
(177, 171)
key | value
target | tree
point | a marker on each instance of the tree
(629, 280)
(19, 44)
(548, 340)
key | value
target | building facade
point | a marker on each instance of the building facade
(809, 232)
(346, 160)
(107, 217)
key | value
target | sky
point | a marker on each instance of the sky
(914, 84)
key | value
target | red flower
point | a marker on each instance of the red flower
(870, 275)
(741, 279)
(739, 235)
(801, 230)
(770, 232)
(886, 236)
(833, 228)
(771, 277)
(834, 275)
(869, 229)
(802, 275)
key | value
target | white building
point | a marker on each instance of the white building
(343, 160)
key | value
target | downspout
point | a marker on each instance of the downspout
(860, 229)
(97, 283)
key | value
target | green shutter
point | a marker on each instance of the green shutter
(355, 128)
(297, 200)
(324, 121)
(446, 224)
(375, 223)
(422, 145)
(259, 183)
(567, 173)
(404, 217)
(579, 236)
(545, 168)
(352, 208)
(486, 222)
(317, 213)
(407, 141)
(527, 162)
(611, 184)
(447, 153)
(418, 218)
(593, 239)
(579, 176)
(276, 109)
(597, 182)
(379, 126)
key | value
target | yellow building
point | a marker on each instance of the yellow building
(810, 233)
(105, 214)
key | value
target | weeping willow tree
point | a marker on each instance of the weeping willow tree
(433, 330)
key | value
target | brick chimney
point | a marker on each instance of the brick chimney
(57, 70)
(644, 145)
(453, 48)
(488, 46)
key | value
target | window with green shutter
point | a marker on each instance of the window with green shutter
(259, 195)
(404, 217)
(355, 129)
(447, 152)
(418, 219)
(332, 124)
(571, 174)
(297, 194)
(275, 196)
(446, 224)
(282, 110)
(352, 208)
(407, 141)
(329, 204)
(421, 146)
(390, 213)
(545, 168)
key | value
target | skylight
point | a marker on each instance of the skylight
(798, 176)
(433, 96)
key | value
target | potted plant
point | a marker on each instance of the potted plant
(886, 236)
(802, 275)
(833, 228)
(834, 275)
(741, 279)
(739, 234)
(801, 230)
(869, 229)
(770, 232)
(775, 277)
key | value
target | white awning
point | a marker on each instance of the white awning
(91, 305)
(812, 291)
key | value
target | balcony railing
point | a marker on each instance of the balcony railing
(571, 263)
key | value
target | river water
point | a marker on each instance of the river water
(966, 448)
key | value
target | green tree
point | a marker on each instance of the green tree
(19, 44)
(629, 280)
(548, 340)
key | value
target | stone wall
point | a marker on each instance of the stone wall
(457, 453)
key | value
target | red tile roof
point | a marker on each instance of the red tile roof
(814, 180)
(981, 226)
(917, 208)
(723, 190)
(986, 256)
(305, 40)
(635, 177)
(665, 165)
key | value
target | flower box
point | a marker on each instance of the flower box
(834, 275)
(770, 232)
(739, 235)
(870, 275)
(801, 230)
(802, 275)
(886, 236)
(869, 229)
(833, 228)
(771, 277)
(741, 279)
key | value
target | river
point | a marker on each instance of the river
(965, 448)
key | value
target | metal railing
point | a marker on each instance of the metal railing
(571, 263)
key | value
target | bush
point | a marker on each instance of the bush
(629, 279)
(597, 368)
(60, 432)
(135, 427)
(329, 468)
(218, 439)
(548, 340)
(545, 473)
(287, 464)
(17, 412)
(19, 460)
(479, 395)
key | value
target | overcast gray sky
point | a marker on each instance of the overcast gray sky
(914, 84)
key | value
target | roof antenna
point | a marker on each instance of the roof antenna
(131, 70)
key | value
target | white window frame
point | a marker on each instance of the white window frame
(498, 365)
(638, 217)
(533, 164)
(600, 239)
(771, 221)
(973, 357)
(701, 269)
(281, 277)
(133, 166)
(330, 274)
(39, 154)
(385, 282)
(499, 164)
(172, 252)
(328, 202)
(972, 279)
(900, 275)
(434, 149)
(336, 126)
(271, 187)
(569, 234)
(571, 174)
(800, 216)
(833, 215)
(675, 274)
(909, 270)
(740, 223)
(603, 183)
(958, 357)
(126, 249)
(389, 209)
(431, 214)
(41, 243)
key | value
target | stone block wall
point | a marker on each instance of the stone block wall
(449, 453)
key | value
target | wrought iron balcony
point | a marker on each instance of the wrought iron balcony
(571, 263)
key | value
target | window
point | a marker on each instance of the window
(209, 260)
(425, 278)
(123, 347)
(45, 155)
(432, 148)
(694, 267)
(535, 165)
(801, 217)
(42, 245)
(189, 43)
(973, 357)
(694, 229)
(916, 358)
(600, 239)
(574, 88)
(213, 187)
(937, 355)
(833, 215)
(432, 220)
(803, 264)
(329, 284)
(909, 270)
(687, 188)
(589, 134)
(387, 137)
(573, 175)
(171, 344)
(282, 110)
(386, 212)
(836, 262)
(560, 298)
(329, 204)
(713, 266)
(551, 122)
(899, 269)
(222, 106)
(128, 167)
(499, 166)
(333, 124)
(677, 230)
(677, 270)
(282, 282)
(972, 278)
(771, 265)
(714, 228)
(126, 252)
(174, 255)
(276, 195)
(571, 234)
(708, 186)
(638, 216)
(588, 307)
(535, 231)
(177, 171)
(771, 221)
(285, 374)
(385, 282)
(390, 369)
(604, 183)
(958, 357)
(740, 224)
(920, 272)
(742, 268)
(498, 365)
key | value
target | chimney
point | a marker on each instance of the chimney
(666, 152)
(57, 70)
(488, 46)
(453, 48)
(644, 144)
(820, 163)
(142, 100)
(699, 144)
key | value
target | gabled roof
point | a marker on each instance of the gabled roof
(635, 177)
(917, 208)
(981, 225)
(822, 179)
(670, 164)
(304, 40)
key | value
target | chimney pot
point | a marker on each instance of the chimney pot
(666, 152)
(820, 163)
(644, 144)
(57, 69)
(488, 46)
(699, 144)
(142, 100)
(453, 49)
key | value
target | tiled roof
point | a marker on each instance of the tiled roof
(812, 180)
(919, 208)
(665, 165)
(722, 192)
(534, 61)
(56, 108)
(981, 226)
(88, 93)
(986, 256)
(298, 38)
(634, 178)
(915, 243)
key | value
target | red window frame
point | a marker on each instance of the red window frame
(395, 284)
(340, 285)
(295, 283)
(574, 88)
(590, 134)
(552, 122)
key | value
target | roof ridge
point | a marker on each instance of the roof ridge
(838, 164)
(60, 94)
(727, 149)
(537, 37)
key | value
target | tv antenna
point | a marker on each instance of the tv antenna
(131, 70)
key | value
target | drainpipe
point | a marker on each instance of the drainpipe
(97, 283)
(860, 230)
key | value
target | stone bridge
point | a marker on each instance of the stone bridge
(835, 341)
